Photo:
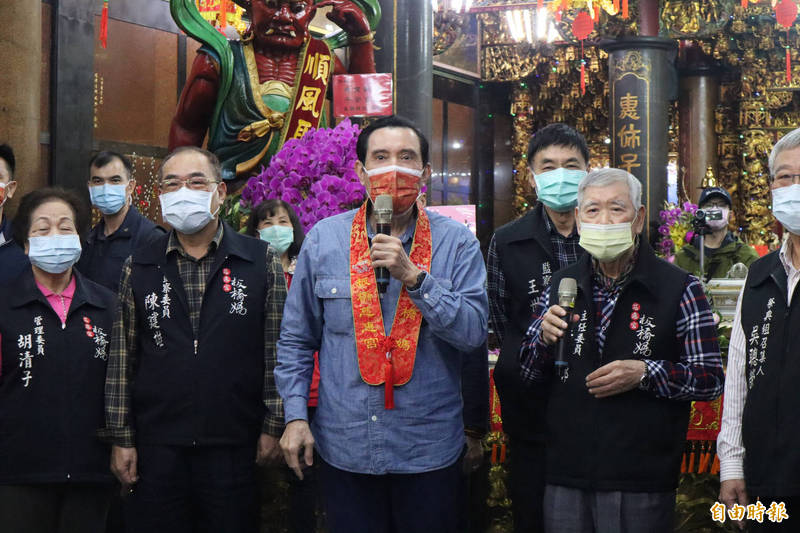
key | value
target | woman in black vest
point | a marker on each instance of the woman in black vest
(54, 331)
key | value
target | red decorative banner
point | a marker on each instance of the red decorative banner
(309, 99)
(362, 95)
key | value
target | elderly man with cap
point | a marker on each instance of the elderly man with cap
(722, 248)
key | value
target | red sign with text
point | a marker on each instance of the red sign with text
(362, 95)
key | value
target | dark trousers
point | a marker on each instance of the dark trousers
(194, 490)
(526, 484)
(391, 503)
(54, 508)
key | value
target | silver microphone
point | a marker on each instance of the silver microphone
(383, 224)
(567, 292)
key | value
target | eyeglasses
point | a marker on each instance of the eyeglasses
(194, 183)
(782, 180)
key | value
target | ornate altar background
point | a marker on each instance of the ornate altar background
(745, 46)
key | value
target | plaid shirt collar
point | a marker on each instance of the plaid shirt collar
(613, 284)
(553, 231)
(174, 245)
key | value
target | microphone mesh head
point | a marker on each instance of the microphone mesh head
(568, 287)
(383, 202)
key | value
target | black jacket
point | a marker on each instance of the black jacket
(13, 260)
(631, 441)
(102, 257)
(525, 253)
(771, 416)
(51, 387)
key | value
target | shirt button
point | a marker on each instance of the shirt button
(425, 295)
(333, 290)
(68, 476)
(374, 418)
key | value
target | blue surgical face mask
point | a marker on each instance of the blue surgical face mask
(54, 253)
(786, 207)
(558, 188)
(278, 237)
(108, 198)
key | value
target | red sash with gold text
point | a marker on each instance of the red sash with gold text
(381, 359)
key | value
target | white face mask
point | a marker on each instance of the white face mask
(186, 210)
(54, 253)
(786, 207)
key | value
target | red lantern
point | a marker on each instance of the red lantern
(785, 15)
(582, 27)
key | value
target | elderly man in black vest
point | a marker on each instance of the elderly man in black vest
(191, 401)
(759, 440)
(522, 257)
(643, 344)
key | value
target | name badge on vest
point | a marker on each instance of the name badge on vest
(25, 344)
(235, 288)
(158, 309)
(757, 346)
(99, 336)
(643, 325)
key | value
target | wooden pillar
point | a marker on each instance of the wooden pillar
(20, 90)
(405, 48)
(699, 95)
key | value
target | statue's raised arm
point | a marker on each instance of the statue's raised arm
(251, 95)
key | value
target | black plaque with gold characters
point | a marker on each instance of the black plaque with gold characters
(642, 81)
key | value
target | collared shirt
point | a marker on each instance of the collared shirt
(352, 429)
(193, 273)
(566, 250)
(60, 302)
(729, 442)
(695, 377)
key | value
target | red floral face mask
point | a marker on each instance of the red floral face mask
(401, 183)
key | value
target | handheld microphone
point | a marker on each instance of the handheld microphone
(567, 292)
(383, 224)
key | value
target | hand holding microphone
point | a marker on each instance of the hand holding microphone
(383, 226)
(389, 258)
(555, 322)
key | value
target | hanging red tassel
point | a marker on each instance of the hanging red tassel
(104, 25)
(503, 453)
(564, 6)
(616, 7)
(223, 13)
(744, 4)
(788, 66)
(388, 385)
(540, 4)
(625, 9)
(715, 466)
(683, 463)
(494, 454)
(691, 461)
(583, 77)
(596, 13)
(582, 27)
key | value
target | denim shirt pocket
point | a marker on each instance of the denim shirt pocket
(337, 307)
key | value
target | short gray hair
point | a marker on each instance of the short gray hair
(603, 177)
(789, 141)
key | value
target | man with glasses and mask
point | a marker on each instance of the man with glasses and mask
(643, 345)
(388, 427)
(523, 255)
(760, 434)
(722, 248)
(190, 394)
(13, 260)
(121, 229)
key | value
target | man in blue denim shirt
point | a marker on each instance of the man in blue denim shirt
(394, 469)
